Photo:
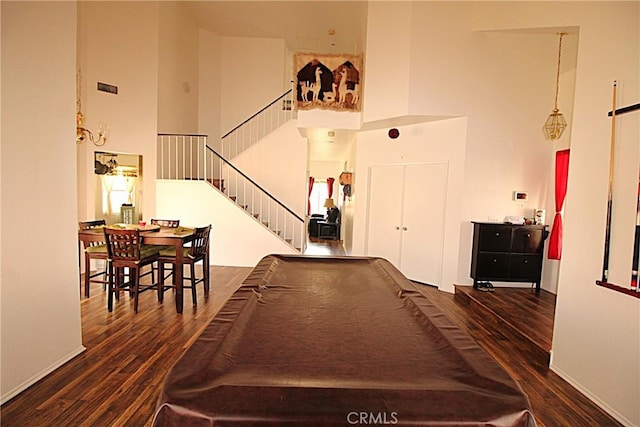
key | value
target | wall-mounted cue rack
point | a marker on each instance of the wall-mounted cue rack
(634, 288)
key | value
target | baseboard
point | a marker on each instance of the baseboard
(43, 373)
(608, 409)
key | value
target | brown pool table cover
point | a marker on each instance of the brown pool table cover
(336, 341)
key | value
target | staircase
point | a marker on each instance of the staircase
(259, 125)
(188, 157)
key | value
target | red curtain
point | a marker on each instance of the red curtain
(330, 182)
(562, 175)
(311, 181)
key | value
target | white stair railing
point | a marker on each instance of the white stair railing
(188, 157)
(259, 125)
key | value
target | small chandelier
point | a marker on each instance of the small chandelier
(556, 123)
(82, 133)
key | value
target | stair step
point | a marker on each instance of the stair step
(218, 183)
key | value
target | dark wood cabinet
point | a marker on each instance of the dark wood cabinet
(507, 253)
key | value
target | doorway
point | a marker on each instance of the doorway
(118, 187)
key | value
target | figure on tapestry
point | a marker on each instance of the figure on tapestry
(328, 82)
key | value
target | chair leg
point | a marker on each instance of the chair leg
(194, 296)
(205, 268)
(119, 282)
(111, 290)
(87, 274)
(106, 274)
(136, 283)
(160, 281)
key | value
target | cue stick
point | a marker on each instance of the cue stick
(607, 236)
(636, 247)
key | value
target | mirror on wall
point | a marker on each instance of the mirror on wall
(118, 187)
(622, 231)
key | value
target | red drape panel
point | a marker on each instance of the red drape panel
(311, 181)
(330, 182)
(562, 175)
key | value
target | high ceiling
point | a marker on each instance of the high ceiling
(306, 25)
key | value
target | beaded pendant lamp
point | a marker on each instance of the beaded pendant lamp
(556, 123)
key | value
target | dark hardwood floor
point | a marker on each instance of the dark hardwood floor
(554, 401)
(326, 247)
(520, 313)
(116, 380)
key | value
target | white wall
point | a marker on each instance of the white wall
(596, 340)
(123, 53)
(349, 204)
(436, 142)
(323, 169)
(236, 238)
(209, 86)
(40, 307)
(494, 79)
(278, 163)
(178, 82)
(387, 61)
(251, 77)
(505, 128)
(503, 79)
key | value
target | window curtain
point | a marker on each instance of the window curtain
(107, 186)
(562, 175)
(131, 185)
(311, 181)
(330, 182)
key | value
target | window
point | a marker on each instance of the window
(319, 194)
(117, 190)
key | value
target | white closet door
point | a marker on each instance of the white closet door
(384, 213)
(425, 190)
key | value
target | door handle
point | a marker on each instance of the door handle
(397, 227)
(404, 228)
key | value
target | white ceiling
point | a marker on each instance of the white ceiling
(306, 25)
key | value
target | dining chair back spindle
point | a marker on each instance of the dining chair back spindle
(93, 251)
(125, 250)
(197, 252)
(169, 223)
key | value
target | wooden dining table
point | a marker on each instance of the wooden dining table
(153, 235)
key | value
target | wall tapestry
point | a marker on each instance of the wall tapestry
(331, 82)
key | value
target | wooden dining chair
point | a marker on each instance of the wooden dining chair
(197, 252)
(125, 250)
(169, 223)
(95, 251)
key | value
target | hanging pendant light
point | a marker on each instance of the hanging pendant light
(556, 123)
